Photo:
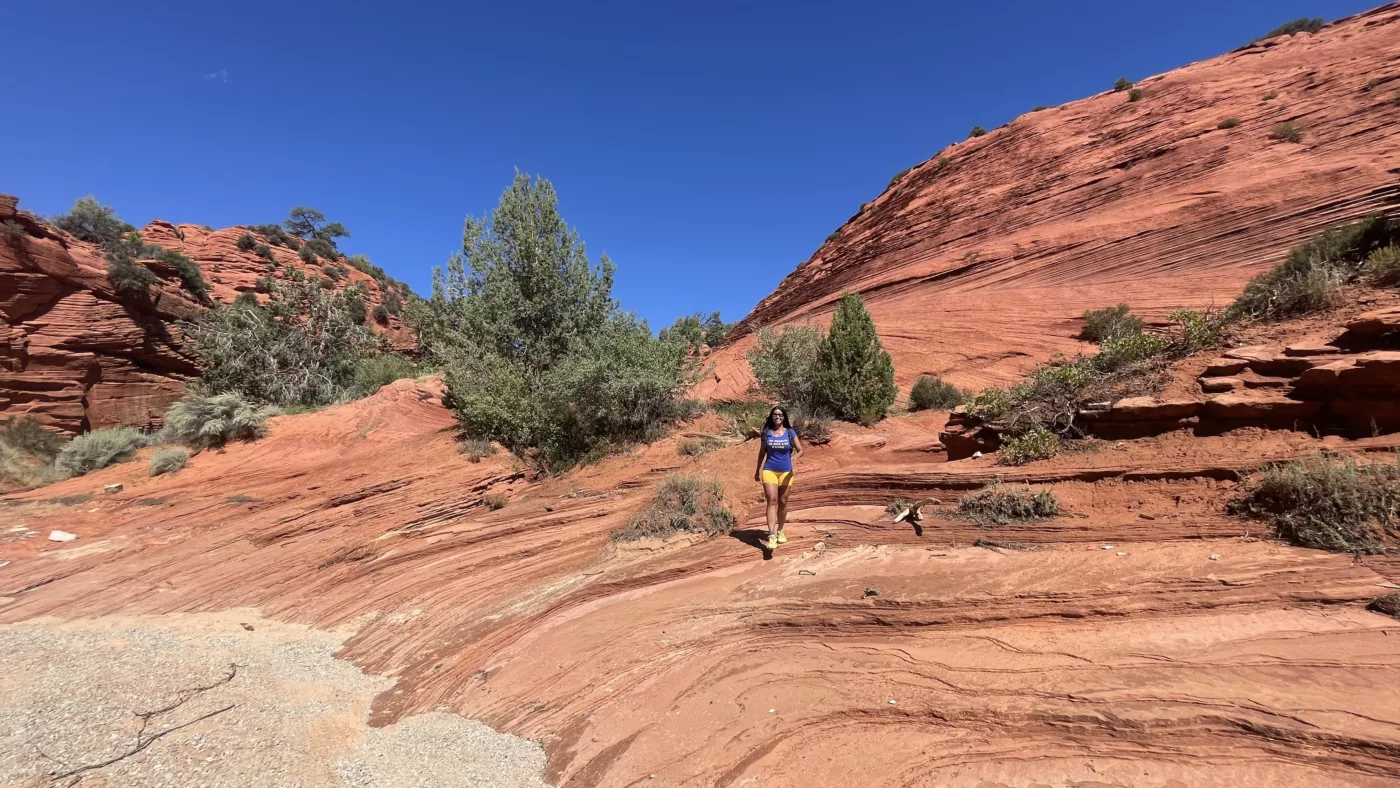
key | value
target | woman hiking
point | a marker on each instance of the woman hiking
(778, 447)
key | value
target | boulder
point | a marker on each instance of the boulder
(1265, 408)
(1371, 375)
(1218, 385)
(1375, 324)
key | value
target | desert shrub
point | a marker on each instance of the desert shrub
(300, 348)
(1328, 503)
(1388, 605)
(813, 428)
(365, 266)
(275, 235)
(381, 314)
(475, 449)
(326, 283)
(495, 501)
(745, 417)
(992, 403)
(247, 242)
(1197, 330)
(307, 256)
(168, 460)
(977, 131)
(1039, 108)
(265, 252)
(1134, 95)
(1122, 84)
(211, 420)
(13, 230)
(1287, 131)
(930, 392)
(91, 221)
(898, 176)
(854, 376)
(784, 364)
(320, 248)
(1271, 95)
(129, 277)
(23, 470)
(1037, 443)
(394, 303)
(29, 436)
(697, 330)
(1228, 123)
(97, 449)
(337, 272)
(1313, 276)
(1383, 265)
(191, 275)
(697, 447)
(245, 301)
(681, 504)
(1109, 322)
(536, 353)
(998, 504)
(1303, 25)
(374, 372)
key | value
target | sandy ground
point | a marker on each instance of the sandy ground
(226, 699)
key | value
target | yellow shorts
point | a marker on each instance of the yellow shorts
(780, 478)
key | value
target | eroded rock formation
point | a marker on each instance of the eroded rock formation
(978, 262)
(77, 355)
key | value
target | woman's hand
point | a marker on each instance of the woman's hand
(758, 476)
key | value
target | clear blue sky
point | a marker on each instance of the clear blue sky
(708, 148)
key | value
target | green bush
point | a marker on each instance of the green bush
(1039, 108)
(245, 301)
(992, 403)
(1303, 25)
(1328, 503)
(695, 331)
(1228, 123)
(476, 449)
(1197, 330)
(1122, 84)
(209, 421)
(97, 449)
(1287, 131)
(130, 278)
(1108, 323)
(320, 248)
(997, 504)
(977, 131)
(381, 314)
(13, 230)
(1383, 265)
(1134, 95)
(854, 376)
(898, 176)
(275, 235)
(91, 221)
(168, 460)
(814, 429)
(1037, 443)
(265, 252)
(697, 447)
(300, 348)
(191, 275)
(930, 392)
(536, 353)
(682, 504)
(745, 417)
(29, 436)
(247, 242)
(1315, 272)
(784, 365)
(377, 371)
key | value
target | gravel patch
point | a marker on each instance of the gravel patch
(226, 699)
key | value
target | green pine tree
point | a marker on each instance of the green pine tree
(855, 377)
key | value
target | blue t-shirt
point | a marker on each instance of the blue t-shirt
(779, 457)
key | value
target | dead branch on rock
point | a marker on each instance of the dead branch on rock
(144, 740)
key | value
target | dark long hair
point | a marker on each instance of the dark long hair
(768, 422)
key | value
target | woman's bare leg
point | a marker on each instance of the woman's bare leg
(782, 508)
(771, 492)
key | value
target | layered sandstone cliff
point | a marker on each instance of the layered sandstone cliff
(77, 355)
(978, 262)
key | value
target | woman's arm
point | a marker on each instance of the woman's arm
(796, 446)
(762, 452)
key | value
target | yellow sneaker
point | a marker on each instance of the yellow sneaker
(772, 542)
(782, 537)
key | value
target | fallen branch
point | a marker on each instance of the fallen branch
(142, 739)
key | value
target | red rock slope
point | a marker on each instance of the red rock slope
(76, 355)
(979, 261)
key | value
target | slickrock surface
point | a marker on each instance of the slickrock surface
(76, 355)
(979, 262)
(1148, 663)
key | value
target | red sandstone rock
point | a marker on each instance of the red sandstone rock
(1258, 407)
(1377, 323)
(1216, 385)
(978, 263)
(75, 355)
(1151, 409)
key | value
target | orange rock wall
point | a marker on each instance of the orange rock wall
(978, 263)
(76, 355)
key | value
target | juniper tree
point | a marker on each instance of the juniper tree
(854, 374)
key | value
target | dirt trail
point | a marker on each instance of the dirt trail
(1147, 663)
